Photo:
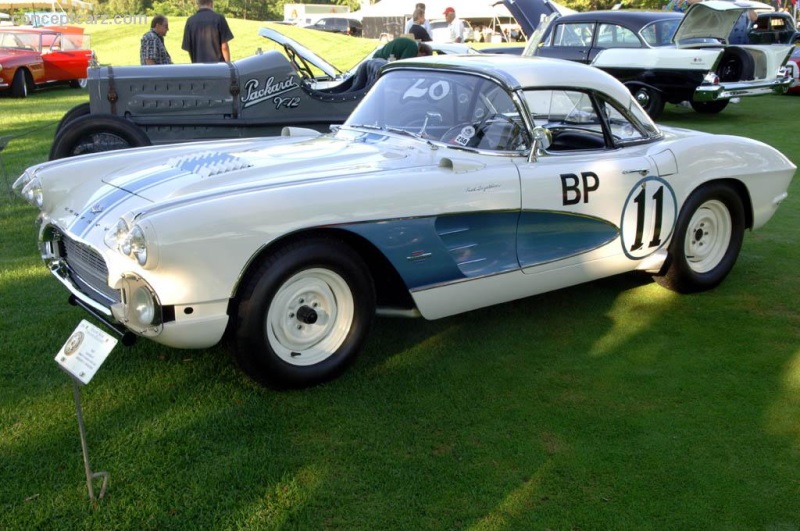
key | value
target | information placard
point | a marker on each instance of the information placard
(85, 351)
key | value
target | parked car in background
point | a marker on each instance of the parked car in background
(457, 183)
(32, 58)
(134, 106)
(345, 26)
(668, 57)
(773, 27)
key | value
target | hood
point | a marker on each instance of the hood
(530, 13)
(152, 180)
(309, 56)
(280, 162)
(713, 19)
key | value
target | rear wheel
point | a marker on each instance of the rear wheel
(304, 314)
(19, 85)
(649, 98)
(79, 83)
(709, 107)
(707, 241)
(96, 133)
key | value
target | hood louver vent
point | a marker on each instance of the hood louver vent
(208, 164)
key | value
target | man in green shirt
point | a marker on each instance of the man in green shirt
(403, 48)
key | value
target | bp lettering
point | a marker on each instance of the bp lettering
(575, 189)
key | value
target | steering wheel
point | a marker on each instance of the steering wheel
(467, 135)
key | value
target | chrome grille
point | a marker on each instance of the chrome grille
(87, 270)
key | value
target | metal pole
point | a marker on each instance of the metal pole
(76, 393)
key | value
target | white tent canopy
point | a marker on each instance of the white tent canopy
(434, 9)
(52, 5)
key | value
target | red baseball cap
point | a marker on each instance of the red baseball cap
(449, 10)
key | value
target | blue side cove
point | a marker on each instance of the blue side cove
(549, 236)
(436, 250)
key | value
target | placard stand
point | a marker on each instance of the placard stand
(90, 476)
(81, 356)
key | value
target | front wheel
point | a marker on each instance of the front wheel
(96, 133)
(19, 85)
(304, 314)
(707, 241)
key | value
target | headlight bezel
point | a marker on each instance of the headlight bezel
(29, 187)
(131, 240)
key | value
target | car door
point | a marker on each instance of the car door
(611, 35)
(592, 203)
(569, 40)
(63, 59)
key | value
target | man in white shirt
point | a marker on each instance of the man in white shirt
(425, 24)
(454, 25)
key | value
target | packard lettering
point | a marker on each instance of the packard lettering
(254, 95)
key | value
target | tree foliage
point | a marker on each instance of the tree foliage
(273, 10)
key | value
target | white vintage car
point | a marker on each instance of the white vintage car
(457, 183)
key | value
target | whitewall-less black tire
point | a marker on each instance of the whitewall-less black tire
(304, 313)
(708, 238)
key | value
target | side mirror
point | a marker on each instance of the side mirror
(542, 140)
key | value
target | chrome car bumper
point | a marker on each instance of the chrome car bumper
(725, 91)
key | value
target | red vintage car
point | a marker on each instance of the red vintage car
(35, 57)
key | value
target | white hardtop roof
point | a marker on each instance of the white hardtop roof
(527, 72)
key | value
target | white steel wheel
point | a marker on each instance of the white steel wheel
(707, 239)
(310, 317)
(303, 313)
(708, 236)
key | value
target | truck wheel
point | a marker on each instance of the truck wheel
(75, 112)
(19, 85)
(96, 133)
(304, 314)
(78, 83)
(709, 107)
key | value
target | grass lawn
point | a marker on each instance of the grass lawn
(614, 405)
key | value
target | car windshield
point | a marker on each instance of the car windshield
(660, 32)
(21, 41)
(458, 109)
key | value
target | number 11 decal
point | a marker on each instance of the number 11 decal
(648, 217)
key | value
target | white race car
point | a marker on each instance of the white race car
(457, 183)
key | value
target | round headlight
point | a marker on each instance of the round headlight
(143, 306)
(135, 245)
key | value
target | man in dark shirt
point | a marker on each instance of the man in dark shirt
(206, 35)
(417, 29)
